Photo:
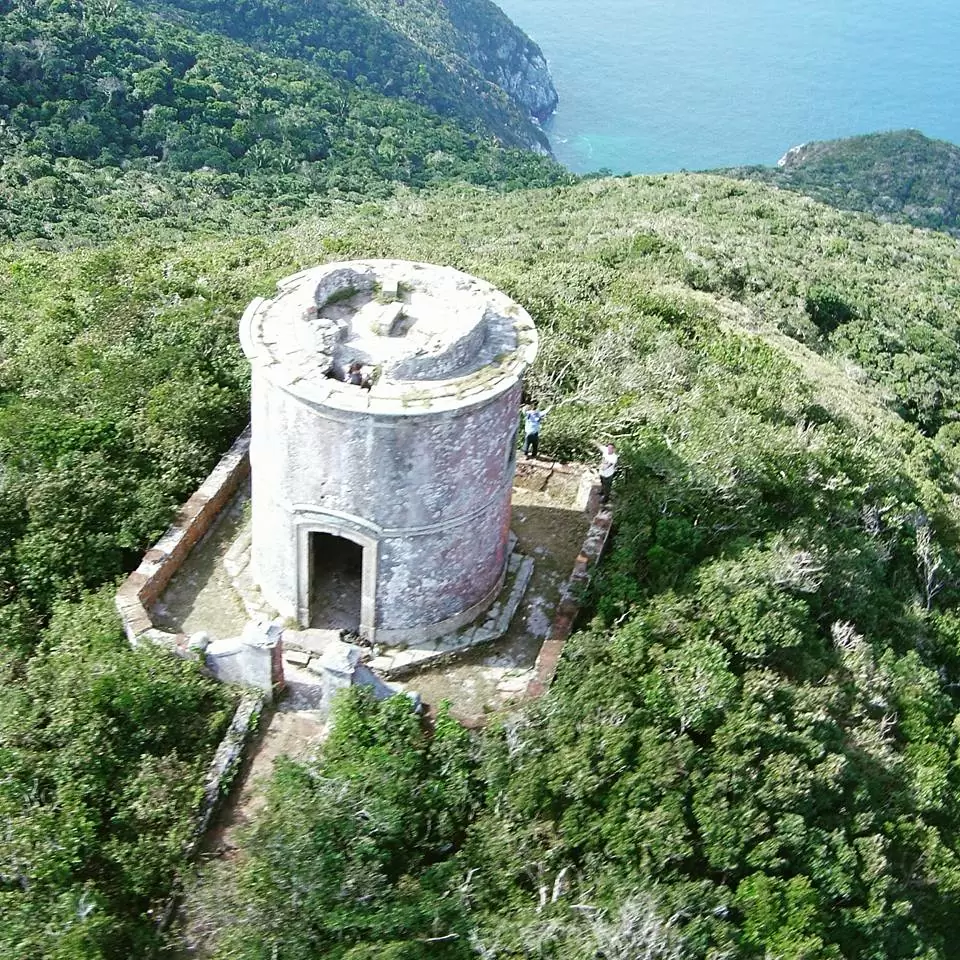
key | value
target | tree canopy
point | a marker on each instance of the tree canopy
(112, 114)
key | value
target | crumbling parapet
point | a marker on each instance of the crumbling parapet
(254, 659)
(342, 665)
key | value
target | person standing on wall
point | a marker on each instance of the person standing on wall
(532, 418)
(608, 467)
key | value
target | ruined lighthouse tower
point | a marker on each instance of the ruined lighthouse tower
(400, 487)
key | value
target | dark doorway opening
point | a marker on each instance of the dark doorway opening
(336, 582)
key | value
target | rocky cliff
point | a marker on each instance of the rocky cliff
(480, 44)
(504, 54)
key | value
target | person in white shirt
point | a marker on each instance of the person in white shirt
(608, 467)
(532, 418)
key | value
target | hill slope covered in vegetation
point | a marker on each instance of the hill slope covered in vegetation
(209, 113)
(463, 59)
(752, 747)
(902, 177)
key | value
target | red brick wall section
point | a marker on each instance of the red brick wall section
(568, 610)
(143, 587)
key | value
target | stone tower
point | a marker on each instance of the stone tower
(401, 486)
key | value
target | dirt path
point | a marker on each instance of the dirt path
(295, 728)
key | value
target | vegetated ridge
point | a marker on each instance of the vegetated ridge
(901, 177)
(751, 748)
(464, 58)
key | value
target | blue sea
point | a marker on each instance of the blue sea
(658, 85)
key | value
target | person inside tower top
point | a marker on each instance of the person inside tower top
(357, 377)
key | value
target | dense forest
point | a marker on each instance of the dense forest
(752, 746)
(901, 176)
(751, 749)
(111, 113)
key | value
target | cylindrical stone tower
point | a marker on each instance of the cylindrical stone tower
(403, 483)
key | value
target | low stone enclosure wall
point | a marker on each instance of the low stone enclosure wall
(572, 595)
(568, 610)
(223, 768)
(263, 649)
(143, 587)
(257, 659)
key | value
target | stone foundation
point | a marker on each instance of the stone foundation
(394, 663)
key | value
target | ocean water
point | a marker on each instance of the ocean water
(658, 85)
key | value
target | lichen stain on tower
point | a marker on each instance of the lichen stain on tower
(413, 476)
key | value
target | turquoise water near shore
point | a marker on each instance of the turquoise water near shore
(659, 85)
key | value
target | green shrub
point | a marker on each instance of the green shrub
(827, 309)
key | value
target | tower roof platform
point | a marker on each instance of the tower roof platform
(430, 337)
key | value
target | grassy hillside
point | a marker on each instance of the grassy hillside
(902, 177)
(120, 381)
(752, 747)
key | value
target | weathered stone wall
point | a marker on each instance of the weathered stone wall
(237, 661)
(394, 472)
(216, 785)
(433, 491)
(435, 575)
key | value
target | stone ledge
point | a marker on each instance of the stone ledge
(226, 761)
(216, 785)
(245, 587)
(238, 555)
